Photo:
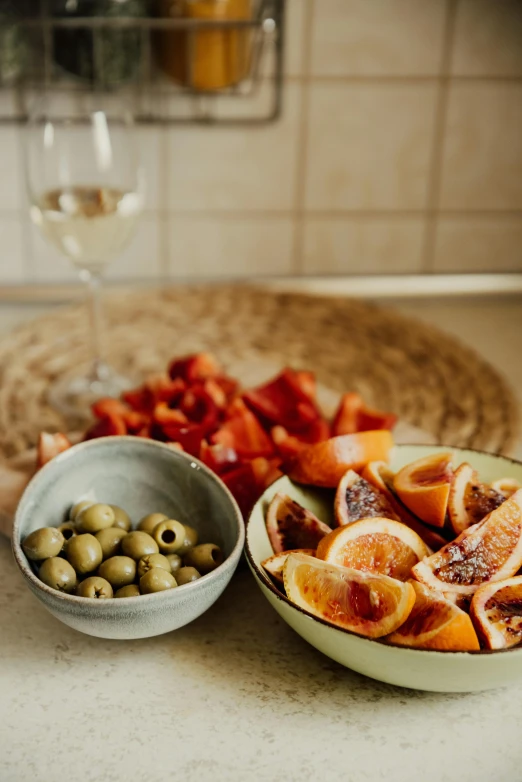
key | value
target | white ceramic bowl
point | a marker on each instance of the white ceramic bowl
(415, 668)
(141, 476)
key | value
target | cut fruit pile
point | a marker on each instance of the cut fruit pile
(247, 437)
(425, 558)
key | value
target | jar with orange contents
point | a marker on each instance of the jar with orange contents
(205, 59)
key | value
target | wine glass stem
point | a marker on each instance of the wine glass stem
(95, 316)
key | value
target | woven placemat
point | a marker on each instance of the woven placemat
(425, 376)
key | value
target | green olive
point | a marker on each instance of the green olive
(84, 553)
(110, 540)
(147, 523)
(132, 590)
(156, 580)
(191, 540)
(152, 560)
(121, 518)
(205, 557)
(96, 587)
(187, 574)
(43, 543)
(58, 574)
(138, 544)
(119, 571)
(95, 517)
(169, 535)
(68, 529)
(77, 509)
(175, 563)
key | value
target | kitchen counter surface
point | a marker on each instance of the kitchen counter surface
(237, 695)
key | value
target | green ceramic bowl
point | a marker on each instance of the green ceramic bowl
(415, 668)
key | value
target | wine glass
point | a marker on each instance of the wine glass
(85, 188)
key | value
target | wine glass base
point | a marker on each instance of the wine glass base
(73, 397)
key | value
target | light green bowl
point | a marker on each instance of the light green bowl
(415, 668)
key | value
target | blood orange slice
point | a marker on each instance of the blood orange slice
(506, 486)
(366, 603)
(325, 463)
(489, 551)
(356, 498)
(291, 526)
(49, 446)
(381, 476)
(376, 545)
(469, 499)
(496, 610)
(424, 487)
(274, 565)
(436, 623)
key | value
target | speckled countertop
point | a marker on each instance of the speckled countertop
(237, 696)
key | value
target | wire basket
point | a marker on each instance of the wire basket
(174, 67)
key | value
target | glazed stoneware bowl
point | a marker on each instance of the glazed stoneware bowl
(141, 476)
(414, 668)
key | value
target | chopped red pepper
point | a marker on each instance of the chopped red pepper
(199, 366)
(353, 416)
(218, 457)
(243, 432)
(283, 401)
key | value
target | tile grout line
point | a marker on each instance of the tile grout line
(380, 79)
(437, 150)
(164, 250)
(302, 143)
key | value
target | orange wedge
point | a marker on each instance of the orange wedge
(496, 610)
(424, 487)
(506, 486)
(470, 500)
(489, 551)
(356, 499)
(377, 545)
(436, 623)
(366, 603)
(291, 526)
(274, 565)
(381, 477)
(325, 463)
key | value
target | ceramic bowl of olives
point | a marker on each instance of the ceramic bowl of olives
(123, 537)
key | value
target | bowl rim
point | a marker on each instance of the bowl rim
(266, 582)
(39, 479)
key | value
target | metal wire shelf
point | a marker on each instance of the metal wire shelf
(247, 53)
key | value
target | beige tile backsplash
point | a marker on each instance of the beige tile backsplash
(377, 37)
(362, 245)
(482, 160)
(369, 146)
(399, 151)
(488, 38)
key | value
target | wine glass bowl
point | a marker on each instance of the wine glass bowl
(85, 189)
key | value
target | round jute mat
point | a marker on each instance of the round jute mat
(425, 376)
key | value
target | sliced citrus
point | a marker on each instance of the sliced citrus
(506, 486)
(436, 623)
(367, 603)
(356, 498)
(274, 565)
(496, 610)
(377, 545)
(424, 487)
(291, 526)
(470, 500)
(489, 551)
(381, 477)
(325, 463)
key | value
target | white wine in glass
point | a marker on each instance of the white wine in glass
(85, 187)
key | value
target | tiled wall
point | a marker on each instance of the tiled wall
(400, 150)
